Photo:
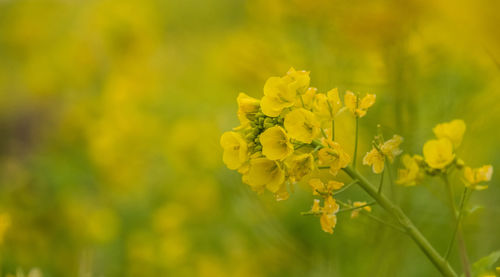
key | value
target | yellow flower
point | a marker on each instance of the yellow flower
(265, 173)
(299, 80)
(478, 175)
(299, 166)
(247, 107)
(235, 149)
(375, 159)
(355, 213)
(356, 106)
(306, 100)
(275, 143)
(315, 207)
(453, 130)
(277, 96)
(438, 153)
(302, 125)
(412, 174)
(328, 219)
(334, 156)
(390, 148)
(319, 188)
(326, 106)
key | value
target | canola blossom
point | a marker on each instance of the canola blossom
(287, 137)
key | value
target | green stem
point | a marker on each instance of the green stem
(460, 213)
(381, 182)
(333, 130)
(461, 243)
(355, 144)
(345, 187)
(439, 262)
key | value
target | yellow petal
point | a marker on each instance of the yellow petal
(438, 153)
(453, 130)
(275, 143)
(302, 125)
(375, 160)
(235, 149)
(265, 172)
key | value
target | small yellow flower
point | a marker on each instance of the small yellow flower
(412, 174)
(478, 175)
(390, 148)
(302, 125)
(453, 130)
(438, 153)
(326, 106)
(355, 213)
(306, 100)
(299, 80)
(247, 107)
(334, 156)
(277, 96)
(265, 173)
(328, 219)
(315, 207)
(320, 188)
(299, 166)
(235, 149)
(375, 159)
(358, 107)
(275, 143)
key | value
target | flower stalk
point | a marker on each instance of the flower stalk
(439, 262)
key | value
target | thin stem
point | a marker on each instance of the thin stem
(383, 221)
(355, 145)
(345, 187)
(439, 262)
(333, 129)
(351, 208)
(461, 243)
(389, 171)
(381, 182)
(460, 213)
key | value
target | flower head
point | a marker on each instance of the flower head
(275, 143)
(328, 219)
(298, 80)
(235, 149)
(357, 106)
(375, 159)
(302, 125)
(320, 188)
(389, 149)
(453, 130)
(478, 175)
(438, 153)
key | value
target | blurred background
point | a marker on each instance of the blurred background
(111, 113)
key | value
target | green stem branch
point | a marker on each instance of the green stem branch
(439, 262)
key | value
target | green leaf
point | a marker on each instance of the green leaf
(485, 264)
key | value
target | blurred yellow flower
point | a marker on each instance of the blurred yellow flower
(307, 99)
(438, 153)
(334, 156)
(235, 149)
(299, 166)
(478, 175)
(376, 157)
(265, 173)
(411, 174)
(320, 188)
(328, 219)
(453, 130)
(355, 212)
(315, 207)
(298, 80)
(247, 107)
(356, 106)
(326, 106)
(302, 125)
(275, 143)
(277, 96)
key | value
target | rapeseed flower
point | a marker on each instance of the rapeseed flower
(275, 143)
(326, 106)
(265, 173)
(411, 174)
(333, 155)
(475, 176)
(247, 108)
(438, 153)
(357, 106)
(355, 212)
(302, 125)
(235, 149)
(376, 157)
(453, 130)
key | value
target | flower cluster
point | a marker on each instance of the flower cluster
(288, 135)
(439, 157)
